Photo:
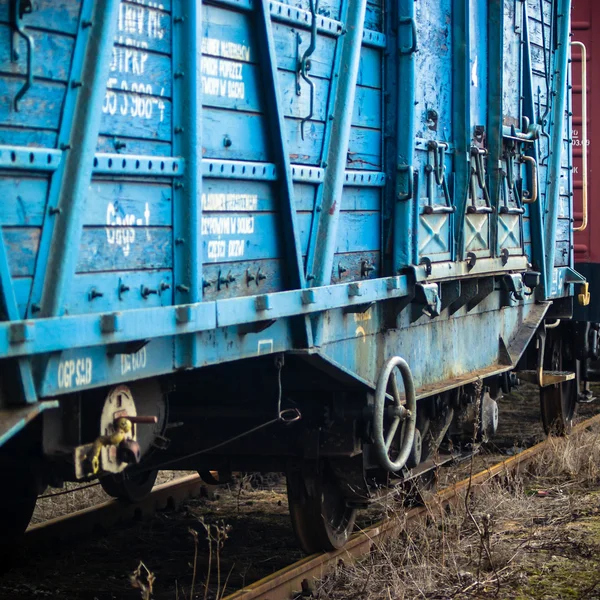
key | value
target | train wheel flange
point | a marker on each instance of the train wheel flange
(321, 518)
(395, 414)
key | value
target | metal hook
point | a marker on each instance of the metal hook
(17, 9)
(304, 64)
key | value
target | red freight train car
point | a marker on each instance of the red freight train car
(586, 160)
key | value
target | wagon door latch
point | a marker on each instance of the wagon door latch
(18, 8)
(304, 64)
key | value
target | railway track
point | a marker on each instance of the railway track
(112, 512)
(296, 581)
(291, 581)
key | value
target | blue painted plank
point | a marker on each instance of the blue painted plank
(232, 85)
(52, 54)
(22, 136)
(138, 115)
(144, 26)
(107, 143)
(140, 71)
(235, 236)
(109, 284)
(287, 54)
(367, 108)
(22, 287)
(21, 247)
(125, 248)
(247, 280)
(126, 202)
(22, 200)
(94, 366)
(245, 131)
(49, 15)
(369, 73)
(243, 196)
(102, 249)
(228, 34)
(40, 107)
(364, 149)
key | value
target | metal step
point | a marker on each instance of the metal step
(545, 378)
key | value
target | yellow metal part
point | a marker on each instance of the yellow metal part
(122, 428)
(584, 294)
(545, 378)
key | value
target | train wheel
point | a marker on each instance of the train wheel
(558, 403)
(17, 503)
(321, 518)
(129, 489)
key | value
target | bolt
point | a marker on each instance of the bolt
(178, 74)
(227, 141)
(146, 291)
(86, 24)
(179, 241)
(206, 284)
(178, 20)
(183, 288)
(178, 130)
(65, 146)
(35, 308)
(76, 84)
(164, 286)
(94, 293)
(55, 210)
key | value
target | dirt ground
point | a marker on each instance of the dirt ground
(245, 534)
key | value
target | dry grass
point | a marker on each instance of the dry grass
(495, 542)
(79, 496)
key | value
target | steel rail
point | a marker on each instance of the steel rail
(111, 512)
(297, 580)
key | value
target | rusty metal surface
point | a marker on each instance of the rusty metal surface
(109, 513)
(289, 583)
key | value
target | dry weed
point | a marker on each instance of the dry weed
(485, 540)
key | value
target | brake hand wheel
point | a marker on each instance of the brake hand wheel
(396, 412)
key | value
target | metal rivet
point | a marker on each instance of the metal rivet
(94, 293)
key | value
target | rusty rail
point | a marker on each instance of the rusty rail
(296, 580)
(111, 512)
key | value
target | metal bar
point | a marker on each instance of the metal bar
(333, 90)
(460, 270)
(326, 233)
(138, 164)
(403, 210)
(559, 89)
(461, 117)
(535, 211)
(584, 137)
(187, 203)
(278, 135)
(78, 160)
(29, 159)
(259, 171)
(495, 112)
(101, 329)
(17, 378)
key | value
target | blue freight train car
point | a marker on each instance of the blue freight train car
(317, 237)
